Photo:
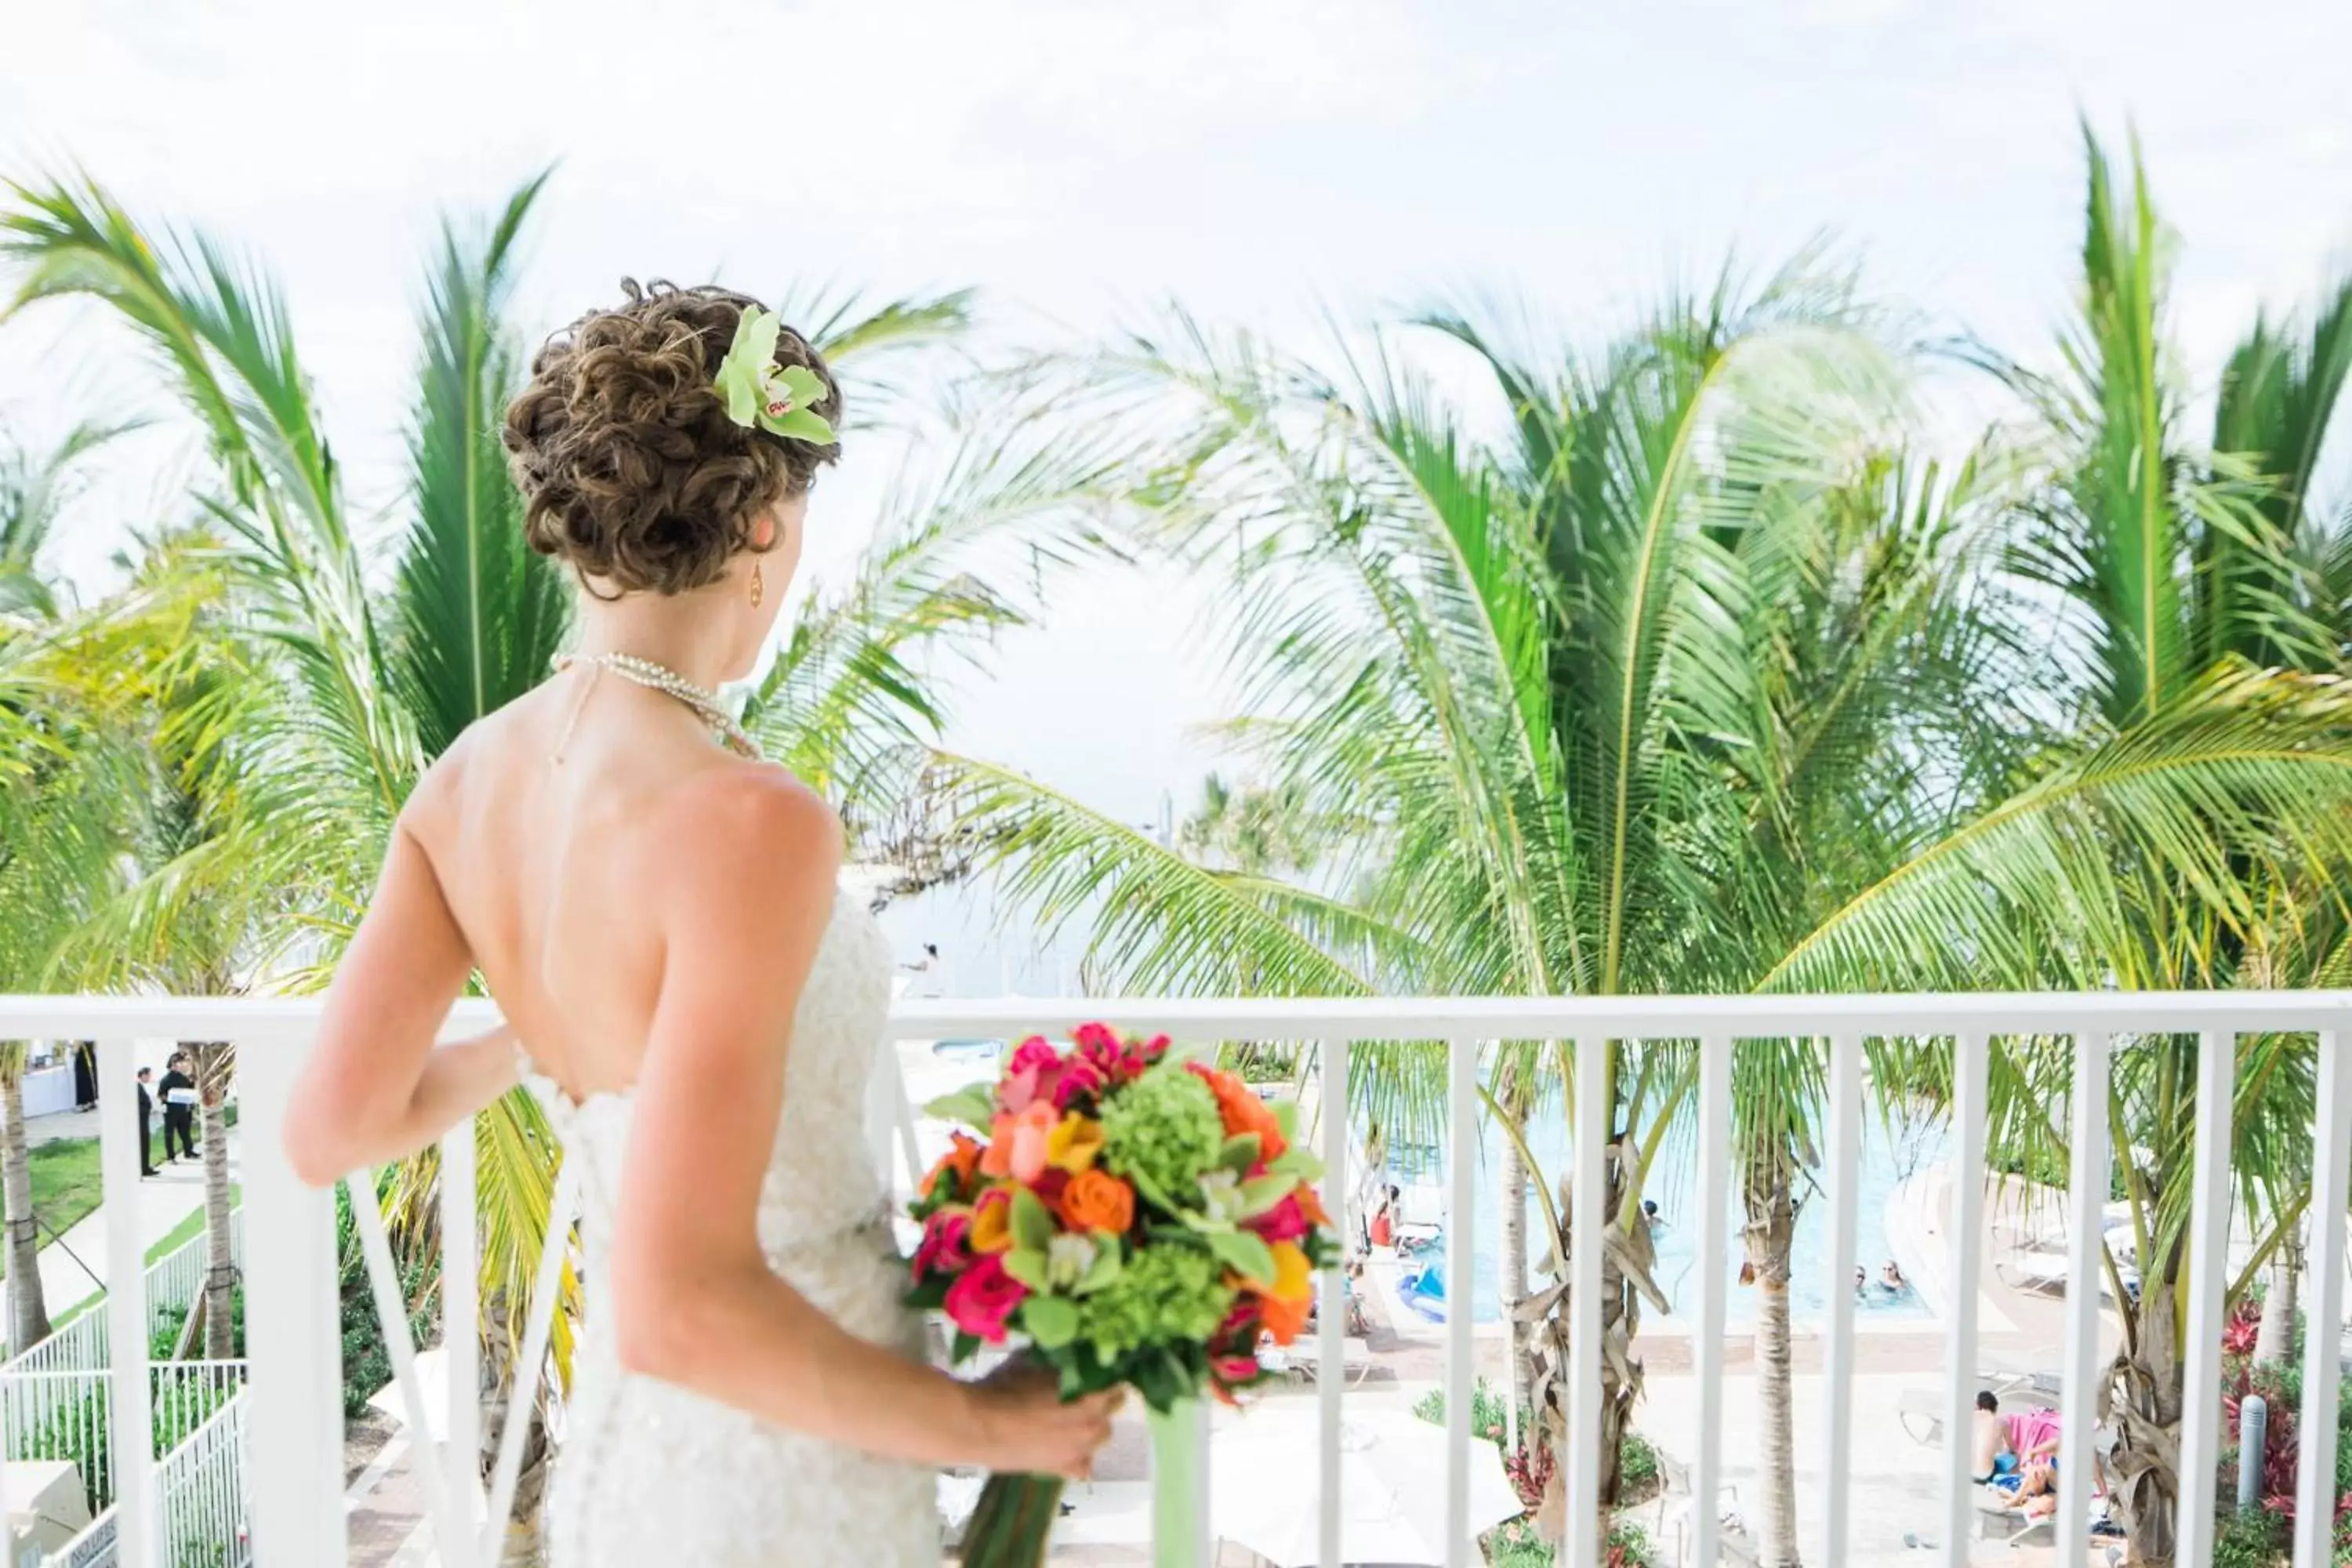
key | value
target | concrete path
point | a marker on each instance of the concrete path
(73, 1267)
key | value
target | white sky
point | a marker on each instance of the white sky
(1082, 160)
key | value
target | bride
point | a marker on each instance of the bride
(699, 1006)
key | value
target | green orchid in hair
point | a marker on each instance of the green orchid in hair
(761, 395)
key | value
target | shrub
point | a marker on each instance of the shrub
(2254, 1538)
(367, 1362)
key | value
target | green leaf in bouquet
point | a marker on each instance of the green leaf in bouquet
(1244, 1253)
(1103, 1269)
(1240, 1153)
(1028, 1267)
(973, 1106)
(964, 1347)
(1152, 1194)
(1296, 1162)
(1285, 1116)
(1032, 1223)
(1263, 1194)
(1050, 1322)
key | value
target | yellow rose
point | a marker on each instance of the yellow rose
(991, 1221)
(1073, 1143)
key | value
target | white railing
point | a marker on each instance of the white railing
(174, 1281)
(64, 1415)
(295, 1415)
(201, 1485)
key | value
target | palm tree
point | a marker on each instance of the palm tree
(2191, 829)
(36, 489)
(1488, 668)
(61, 777)
(167, 670)
(352, 693)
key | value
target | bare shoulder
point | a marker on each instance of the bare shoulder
(736, 833)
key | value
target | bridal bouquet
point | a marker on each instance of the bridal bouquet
(1129, 1218)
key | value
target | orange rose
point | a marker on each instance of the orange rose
(1286, 1299)
(991, 1221)
(1096, 1200)
(1244, 1112)
(962, 1158)
(1285, 1321)
(1311, 1204)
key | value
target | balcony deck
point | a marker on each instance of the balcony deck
(291, 1423)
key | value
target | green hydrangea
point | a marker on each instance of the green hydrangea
(1170, 1292)
(1163, 1129)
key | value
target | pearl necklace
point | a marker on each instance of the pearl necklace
(660, 678)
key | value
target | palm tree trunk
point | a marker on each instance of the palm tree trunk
(500, 1352)
(1512, 1265)
(1627, 1278)
(213, 1065)
(1770, 1239)
(2275, 1340)
(29, 1312)
(2139, 1402)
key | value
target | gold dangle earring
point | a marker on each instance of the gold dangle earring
(759, 588)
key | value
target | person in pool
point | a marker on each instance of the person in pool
(1651, 1217)
(1860, 1284)
(1892, 1277)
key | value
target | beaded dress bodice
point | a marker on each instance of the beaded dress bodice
(649, 1472)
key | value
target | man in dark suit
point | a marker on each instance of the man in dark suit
(179, 1109)
(146, 1124)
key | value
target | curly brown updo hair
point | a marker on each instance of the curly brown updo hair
(629, 466)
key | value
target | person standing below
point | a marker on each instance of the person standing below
(179, 1110)
(146, 1124)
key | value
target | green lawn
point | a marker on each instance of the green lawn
(191, 1227)
(67, 1187)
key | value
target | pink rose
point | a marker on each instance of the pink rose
(1077, 1077)
(1236, 1369)
(1028, 1076)
(1286, 1221)
(942, 1249)
(1016, 1144)
(1117, 1060)
(982, 1300)
(1034, 1052)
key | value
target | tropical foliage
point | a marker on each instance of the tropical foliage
(1690, 659)
(284, 677)
(1706, 635)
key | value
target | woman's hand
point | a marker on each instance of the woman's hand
(1024, 1428)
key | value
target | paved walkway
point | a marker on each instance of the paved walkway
(73, 1267)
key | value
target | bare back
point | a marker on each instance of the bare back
(548, 824)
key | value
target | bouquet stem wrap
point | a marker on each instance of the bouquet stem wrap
(1012, 1523)
(1176, 1483)
(1012, 1526)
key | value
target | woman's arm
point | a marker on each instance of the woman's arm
(375, 1088)
(747, 877)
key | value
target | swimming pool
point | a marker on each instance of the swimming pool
(1888, 1158)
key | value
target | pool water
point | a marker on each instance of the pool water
(1889, 1157)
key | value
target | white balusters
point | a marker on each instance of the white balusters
(1970, 1065)
(2207, 1270)
(1841, 1183)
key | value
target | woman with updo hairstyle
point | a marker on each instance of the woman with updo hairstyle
(683, 988)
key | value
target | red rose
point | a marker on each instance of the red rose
(982, 1300)
(1286, 1221)
(942, 1250)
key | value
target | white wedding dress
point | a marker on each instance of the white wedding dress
(650, 1474)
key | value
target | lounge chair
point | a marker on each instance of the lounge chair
(1678, 1507)
(1303, 1360)
(1921, 1410)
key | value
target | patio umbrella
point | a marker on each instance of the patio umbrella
(1262, 1470)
